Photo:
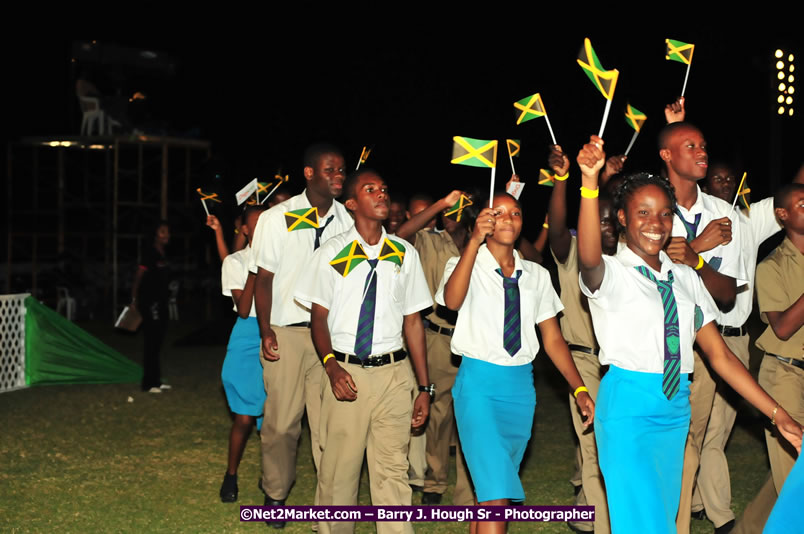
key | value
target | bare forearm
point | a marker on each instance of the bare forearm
(557, 221)
(785, 324)
(407, 230)
(590, 251)
(722, 288)
(558, 352)
(417, 347)
(263, 297)
(246, 298)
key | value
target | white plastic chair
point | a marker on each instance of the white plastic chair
(65, 301)
(173, 307)
(95, 118)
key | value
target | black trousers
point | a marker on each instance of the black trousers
(154, 326)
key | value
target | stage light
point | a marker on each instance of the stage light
(780, 99)
(779, 53)
(791, 78)
(782, 87)
(781, 110)
(780, 65)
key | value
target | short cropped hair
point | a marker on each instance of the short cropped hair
(313, 153)
(670, 129)
(782, 197)
(350, 184)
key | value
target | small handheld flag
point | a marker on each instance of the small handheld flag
(514, 147)
(741, 192)
(635, 120)
(249, 189)
(364, 154)
(604, 80)
(681, 52)
(279, 181)
(546, 178)
(207, 196)
(456, 211)
(476, 153)
(532, 107)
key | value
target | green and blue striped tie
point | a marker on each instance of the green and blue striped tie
(512, 338)
(671, 378)
(365, 320)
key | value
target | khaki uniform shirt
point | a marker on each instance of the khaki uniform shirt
(576, 323)
(779, 283)
(434, 249)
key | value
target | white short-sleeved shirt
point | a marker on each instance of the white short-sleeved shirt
(479, 329)
(234, 273)
(755, 228)
(628, 314)
(401, 290)
(287, 254)
(725, 259)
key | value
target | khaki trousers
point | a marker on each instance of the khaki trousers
(377, 423)
(441, 424)
(702, 395)
(291, 383)
(713, 486)
(592, 483)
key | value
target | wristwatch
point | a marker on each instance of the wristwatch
(428, 389)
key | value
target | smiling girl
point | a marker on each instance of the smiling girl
(500, 298)
(647, 313)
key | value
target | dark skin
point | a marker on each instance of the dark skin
(422, 218)
(324, 184)
(161, 240)
(241, 425)
(370, 208)
(686, 162)
(559, 234)
(499, 227)
(648, 221)
(787, 322)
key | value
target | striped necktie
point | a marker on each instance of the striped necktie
(690, 227)
(319, 231)
(672, 356)
(512, 338)
(365, 321)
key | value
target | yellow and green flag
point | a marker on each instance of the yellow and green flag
(392, 251)
(364, 154)
(208, 196)
(546, 178)
(679, 51)
(262, 187)
(301, 219)
(530, 107)
(634, 117)
(604, 80)
(513, 147)
(347, 259)
(474, 152)
(456, 211)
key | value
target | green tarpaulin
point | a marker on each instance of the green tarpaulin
(59, 352)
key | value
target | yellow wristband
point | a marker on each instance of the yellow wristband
(700, 263)
(579, 390)
(545, 225)
(327, 357)
(561, 178)
(589, 193)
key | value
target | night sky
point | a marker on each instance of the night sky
(262, 98)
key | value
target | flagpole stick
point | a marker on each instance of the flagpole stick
(633, 138)
(491, 190)
(684, 87)
(203, 203)
(257, 192)
(605, 117)
(271, 192)
(738, 193)
(511, 159)
(358, 164)
(549, 127)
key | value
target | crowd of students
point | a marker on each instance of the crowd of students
(379, 330)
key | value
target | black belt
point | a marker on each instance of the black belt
(732, 331)
(587, 350)
(440, 329)
(305, 324)
(791, 361)
(372, 361)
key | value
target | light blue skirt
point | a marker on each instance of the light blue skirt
(494, 407)
(786, 516)
(242, 372)
(640, 440)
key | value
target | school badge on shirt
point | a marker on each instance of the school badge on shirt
(302, 218)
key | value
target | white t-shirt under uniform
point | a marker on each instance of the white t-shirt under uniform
(234, 273)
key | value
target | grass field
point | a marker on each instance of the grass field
(85, 459)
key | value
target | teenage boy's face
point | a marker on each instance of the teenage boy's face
(371, 198)
(326, 178)
(396, 216)
(608, 227)
(686, 153)
(722, 182)
(793, 214)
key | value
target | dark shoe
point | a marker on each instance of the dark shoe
(416, 487)
(274, 502)
(229, 488)
(431, 498)
(725, 528)
(700, 515)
